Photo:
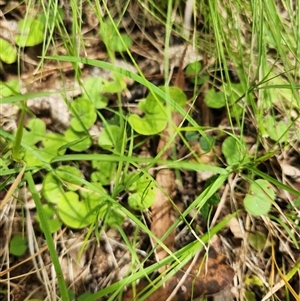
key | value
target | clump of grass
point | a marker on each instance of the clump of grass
(249, 76)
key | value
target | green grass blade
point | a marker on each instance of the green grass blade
(53, 254)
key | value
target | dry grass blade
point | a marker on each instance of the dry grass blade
(283, 277)
(41, 250)
(13, 187)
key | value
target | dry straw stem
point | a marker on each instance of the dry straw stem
(12, 188)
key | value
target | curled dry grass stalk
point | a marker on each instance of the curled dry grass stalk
(251, 43)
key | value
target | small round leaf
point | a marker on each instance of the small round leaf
(52, 188)
(116, 86)
(8, 53)
(214, 100)
(78, 141)
(232, 150)
(111, 138)
(207, 143)
(32, 33)
(106, 172)
(193, 69)
(70, 175)
(84, 114)
(257, 240)
(18, 245)
(259, 199)
(11, 87)
(178, 96)
(93, 87)
(192, 136)
(93, 196)
(52, 220)
(118, 44)
(154, 103)
(54, 142)
(143, 192)
(278, 131)
(75, 213)
(37, 131)
(149, 125)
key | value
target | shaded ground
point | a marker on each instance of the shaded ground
(252, 245)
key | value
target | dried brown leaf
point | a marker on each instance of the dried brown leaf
(207, 277)
(235, 228)
(289, 170)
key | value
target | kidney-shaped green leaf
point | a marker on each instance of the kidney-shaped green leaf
(31, 33)
(105, 172)
(78, 141)
(8, 53)
(111, 138)
(70, 175)
(214, 100)
(18, 245)
(84, 114)
(75, 213)
(93, 88)
(155, 104)
(142, 192)
(53, 221)
(52, 189)
(259, 199)
(233, 151)
(149, 125)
